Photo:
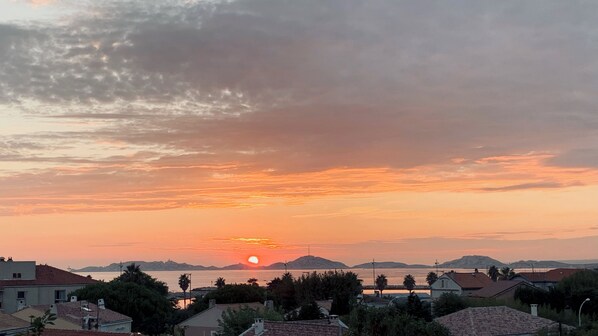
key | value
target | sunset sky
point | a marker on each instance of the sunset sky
(208, 131)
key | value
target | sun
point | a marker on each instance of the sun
(253, 260)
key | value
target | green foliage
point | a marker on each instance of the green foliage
(413, 306)
(381, 282)
(579, 286)
(506, 273)
(431, 278)
(235, 322)
(236, 293)
(493, 273)
(366, 321)
(307, 311)
(409, 282)
(220, 282)
(184, 282)
(448, 303)
(134, 274)
(38, 324)
(283, 292)
(149, 309)
(252, 281)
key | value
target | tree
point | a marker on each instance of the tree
(235, 322)
(493, 273)
(307, 311)
(448, 303)
(220, 282)
(409, 282)
(431, 278)
(381, 283)
(506, 273)
(252, 281)
(184, 283)
(134, 274)
(370, 321)
(283, 291)
(149, 309)
(38, 324)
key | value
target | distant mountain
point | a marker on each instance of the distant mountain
(308, 262)
(146, 266)
(390, 264)
(540, 264)
(474, 261)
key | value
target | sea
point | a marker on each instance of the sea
(207, 278)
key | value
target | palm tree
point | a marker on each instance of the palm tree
(220, 282)
(132, 273)
(431, 278)
(493, 273)
(506, 273)
(184, 283)
(381, 282)
(409, 282)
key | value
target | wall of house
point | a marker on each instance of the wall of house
(34, 295)
(25, 268)
(444, 284)
(199, 331)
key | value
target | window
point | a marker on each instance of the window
(59, 296)
(16, 275)
(442, 283)
(20, 295)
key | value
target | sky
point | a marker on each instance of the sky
(208, 131)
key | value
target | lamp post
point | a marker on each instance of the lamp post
(584, 301)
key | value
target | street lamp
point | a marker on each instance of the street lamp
(584, 301)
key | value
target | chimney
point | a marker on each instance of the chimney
(258, 326)
(333, 319)
(212, 303)
(269, 304)
(53, 309)
(73, 298)
(534, 309)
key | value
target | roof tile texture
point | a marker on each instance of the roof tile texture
(48, 275)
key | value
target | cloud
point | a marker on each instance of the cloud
(404, 96)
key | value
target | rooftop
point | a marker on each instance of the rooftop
(298, 328)
(60, 332)
(72, 312)
(471, 280)
(496, 288)
(493, 321)
(48, 275)
(9, 322)
(555, 275)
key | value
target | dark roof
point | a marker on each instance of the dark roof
(9, 322)
(555, 275)
(72, 312)
(493, 321)
(48, 275)
(496, 288)
(61, 332)
(473, 280)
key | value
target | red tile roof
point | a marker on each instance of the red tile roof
(555, 275)
(496, 288)
(61, 332)
(9, 322)
(71, 311)
(493, 321)
(473, 280)
(48, 275)
(298, 328)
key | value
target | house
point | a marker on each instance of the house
(12, 326)
(205, 323)
(548, 279)
(23, 283)
(79, 315)
(459, 283)
(331, 326)
(502, 290)
(495, 321)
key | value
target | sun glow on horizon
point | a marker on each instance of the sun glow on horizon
(253, 260)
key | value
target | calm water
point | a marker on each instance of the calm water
(207, 278)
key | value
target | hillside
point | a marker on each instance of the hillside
(309, 262)
(474, 261)
(390, 264)
(147, 266)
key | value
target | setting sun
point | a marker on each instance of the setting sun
(253, 260)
